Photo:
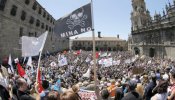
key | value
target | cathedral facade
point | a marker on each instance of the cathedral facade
(152, 36)
(26, 18)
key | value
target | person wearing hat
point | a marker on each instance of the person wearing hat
(172, 89)
(132, 94)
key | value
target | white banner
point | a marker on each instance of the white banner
(108, 62)
(63, 61)
(31, 46)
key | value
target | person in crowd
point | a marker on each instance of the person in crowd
(148, 90)
(4, 93)
(158, 75)
(53, 95)
(161, 90)
(45, 92)
(119, 93)
(22, 90)
(132, 94)
(69, 95)
(105, 94)
(112, 88)
(140, 89)
(172, 82)
(76, 89)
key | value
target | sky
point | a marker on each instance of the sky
(111, 17)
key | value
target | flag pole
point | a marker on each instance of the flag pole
(40, 53)
(94, 55)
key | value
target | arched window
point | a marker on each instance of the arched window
(40, 10)
(13, 10)
(34, 6)
(48, 17)
(31, 21)
(49, 29)
(42, 25)
(46, 27)
(35, 34)
(37, 22)
(44, 14)
(50, 20)
(21, 32)
(23, 15)
(2, 4)
(27, 2)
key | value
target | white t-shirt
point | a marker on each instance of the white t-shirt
(162, 96)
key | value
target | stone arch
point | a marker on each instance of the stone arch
(137, 51)
(151, 52)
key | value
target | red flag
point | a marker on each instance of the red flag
(97, 55)
(40, 88)
(78, 52)
(21, 71)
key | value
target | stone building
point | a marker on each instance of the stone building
(25, 18)
(102, 43)
(152, 36)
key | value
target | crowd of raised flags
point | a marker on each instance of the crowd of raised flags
(63, 70)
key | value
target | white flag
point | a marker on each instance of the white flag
(63, 61)
(109, 54)
(11, 69)
(116, 62)
(88, 59)
(87, 74)
(76, 60)
(31, 46)
(104, 55)
(53, 64)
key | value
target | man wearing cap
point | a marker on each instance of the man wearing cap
(132, 94)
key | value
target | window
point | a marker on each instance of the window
(51, 20)
(34, 6)
(42, 25)
(31, 21)
(46, 27)
(20, 31)
(49, 29)
(35, 34)
(23, 15)
(52, 29)
(2, 4)
(40, 10)
(37, 23)
(47, 17)
(30, 34)
(44, 15)
(13, 10)
(27, 2)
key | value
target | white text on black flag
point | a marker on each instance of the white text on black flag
(79, 21)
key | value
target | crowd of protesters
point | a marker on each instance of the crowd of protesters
(132, 78)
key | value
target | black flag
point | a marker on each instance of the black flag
(79, 21)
